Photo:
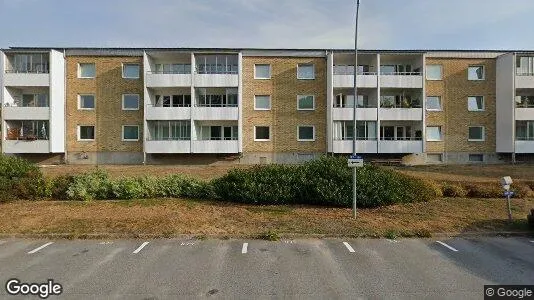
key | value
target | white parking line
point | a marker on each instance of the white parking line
(445, 245)
(348, 247)
(245, 248)
(140, 247)
(41, 247)
(2, 242)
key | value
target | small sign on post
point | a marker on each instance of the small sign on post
(355, 161)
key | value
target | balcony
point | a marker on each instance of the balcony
(400, 146)
(161, 80)
(215, 146)
(170, 146)
(524, 81)
(14, 79)
(216, 80)
(401, 114)
(167, 113)
(362, 146)
(26, 146)
(216, 113)
(411, 80)
(366, 80)
(346, 113)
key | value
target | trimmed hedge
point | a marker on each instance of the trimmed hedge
(326, 181)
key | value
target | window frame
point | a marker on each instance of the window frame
(259, 108)
(306, 64)
(80, 102)
(483, 103)
(255, 133)
(138, 71)
(440, 72)
(80, 70)
(305, 109)
(483, 72)
(129, 140)
(434, 140)
(138, 101)
(434, 109)
(263, 78)
(482, 139)
(79, 137)
(305, 140)
(475, 161)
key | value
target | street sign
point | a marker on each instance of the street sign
(508, 193)
(355, 162)
(352, 156)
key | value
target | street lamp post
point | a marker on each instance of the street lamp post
(355, 104)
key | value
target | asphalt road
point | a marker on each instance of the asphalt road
(311, 269)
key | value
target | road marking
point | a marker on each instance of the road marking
(2, 242)
(392, 241)
(41, 247)
(106, 243)
(445, 245)
(348, 247)
(245, 248)
(288, 241)
(187, 244)
(140, 247)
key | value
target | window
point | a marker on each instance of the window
(305, 102)
(262, 133)
(217, 98)
(86, 102)
(169, 130)
(524, 101)
(130, 133)
(433, 103)
(27, 130)
(86, 133)
(33, 100)
(475, 103)
(305, 71)
(476, 157)
(398, 70)
(172, 69)
(434, 157)
(262, 71)
(525, 65)
(130, 102)
(262, 102)
(475, 73)
(476, 133)
(433, 133)
(216, 64)
(306, 133)
(173, 101)
(344, 130)
(130, 71)
(28, 63)
(433, 72)
(86, 70)
(524, 130)
(212, 133)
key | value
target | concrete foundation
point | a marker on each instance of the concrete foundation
(105, 158)
(279, 158)
(42, 159)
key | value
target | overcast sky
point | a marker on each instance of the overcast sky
(384, 24)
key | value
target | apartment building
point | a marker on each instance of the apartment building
(202, 106)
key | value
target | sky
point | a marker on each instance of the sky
(323, 24)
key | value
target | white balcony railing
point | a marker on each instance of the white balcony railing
(364, 81)
(216, 80)
(183, 146)
(526, 146)
(156, 80)
(362, 146)
(26, 79)
(401, 114)
(524, 81)
(347, 113)
(402, 81)
(26, 113)
(167, 113)
(524, 114)
(215, 113)
(215, 146)
(400, 146)
(26, 146)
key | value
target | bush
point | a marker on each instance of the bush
(484, 190)
(326, 181)
(21, 179)
(13, 167)
(60, 185)
(127, 188)
(453, 190)
(89, 186)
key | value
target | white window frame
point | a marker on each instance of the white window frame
(138, 73)
(483, 134)
(305, 109)
(80, 70)
(483, 72)
(129, 140)
(305, 140)
(138, 101)
(80, 102)
(260, 108)
(440, 134)
(306, 64)
(483, 103)
(79, 133)
(433, 109)
(262, 140)
(263, 78)
(440, 72)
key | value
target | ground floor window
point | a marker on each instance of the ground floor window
(365, 130)
(218, 133)
(27, 130)
(399, 133)
(86, 133)
(524, 130)
(169, 130)
(130, 133)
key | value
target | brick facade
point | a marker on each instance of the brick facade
(283, 118)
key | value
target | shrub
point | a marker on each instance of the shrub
(453, 190)
(89, 186)
(59, 186)
(126, 188)
(13, 167)
(484, 190)
(326, 181)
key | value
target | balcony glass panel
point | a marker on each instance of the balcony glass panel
(169, 130)
(216, 64)
(27, 130)
(28, 63)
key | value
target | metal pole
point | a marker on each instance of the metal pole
(509, 208)
(354, 152)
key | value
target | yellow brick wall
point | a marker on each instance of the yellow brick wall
(283, 87)
(108, 117)
(454, 88)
